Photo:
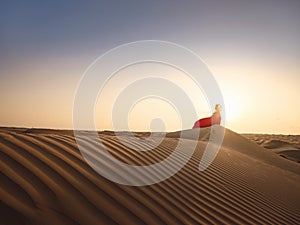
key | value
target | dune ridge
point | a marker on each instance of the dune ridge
(286, 146)
(45, 180)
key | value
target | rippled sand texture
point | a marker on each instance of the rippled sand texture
(45, 180)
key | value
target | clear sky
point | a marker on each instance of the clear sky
(252, 48)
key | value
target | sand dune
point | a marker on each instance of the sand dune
(286, 146)
(45, 180)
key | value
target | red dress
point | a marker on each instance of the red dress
(208, 121)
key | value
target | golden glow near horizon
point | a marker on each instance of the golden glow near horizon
(153, 114)
(151, 109)
(272, 110)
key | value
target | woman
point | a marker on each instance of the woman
(209, 121)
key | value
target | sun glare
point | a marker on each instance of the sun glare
(232, 109)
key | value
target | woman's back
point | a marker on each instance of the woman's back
(209, 121)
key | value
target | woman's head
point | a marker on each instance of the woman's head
(218, 107)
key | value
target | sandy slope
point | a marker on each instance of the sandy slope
(286, 146)
(45, 180)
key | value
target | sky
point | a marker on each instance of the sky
(251, 47)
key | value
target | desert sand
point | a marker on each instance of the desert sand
(45, 180)
(287, 146)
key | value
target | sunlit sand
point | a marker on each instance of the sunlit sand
(45, 180)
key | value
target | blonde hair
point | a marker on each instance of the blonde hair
(218, 106)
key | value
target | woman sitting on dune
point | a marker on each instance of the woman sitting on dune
(209, 121)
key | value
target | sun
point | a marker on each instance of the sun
(231, 108)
